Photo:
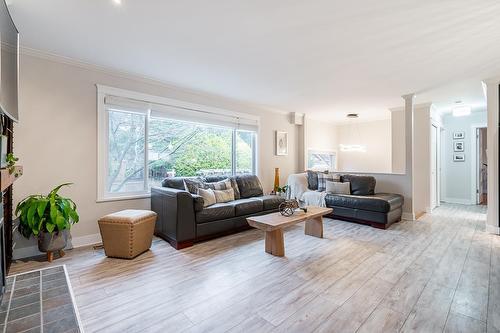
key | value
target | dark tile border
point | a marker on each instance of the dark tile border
(40, 300)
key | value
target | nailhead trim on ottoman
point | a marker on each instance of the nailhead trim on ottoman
(127, 233)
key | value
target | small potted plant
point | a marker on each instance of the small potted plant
(49, 218)
(281, 191)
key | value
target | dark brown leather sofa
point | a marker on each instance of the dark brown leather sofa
(182, 219)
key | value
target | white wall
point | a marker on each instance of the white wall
(424, 116)
(319, 135)
(456, 176)
(56, 137)
(377, 139)
(398, 156)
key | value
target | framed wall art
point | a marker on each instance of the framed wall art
(458, 157)
(281, 143)
(458, 146)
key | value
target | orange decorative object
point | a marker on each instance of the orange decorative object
(276, 179)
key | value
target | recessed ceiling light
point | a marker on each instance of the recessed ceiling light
(117, 2)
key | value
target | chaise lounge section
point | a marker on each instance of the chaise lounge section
(362, 204)
(183, 219)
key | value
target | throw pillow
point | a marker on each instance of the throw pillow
(224, 195)
(192, 185)
(322, 179)
(338, 188)
(361, 185)
(221, 185)
(208, 196)
(312, 180)
(225, 185)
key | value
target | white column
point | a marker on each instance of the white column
(409, 140)
(299, 120)
(492, 100)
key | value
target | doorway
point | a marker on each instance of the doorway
(481, 166)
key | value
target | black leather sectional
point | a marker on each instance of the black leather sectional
(363, 205)
(182, 219)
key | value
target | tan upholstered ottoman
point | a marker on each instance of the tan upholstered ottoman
(127, 233)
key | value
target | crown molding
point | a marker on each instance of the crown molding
(409, 96)
(316, 117)
(27, 51)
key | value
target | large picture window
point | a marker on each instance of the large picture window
(143, 146)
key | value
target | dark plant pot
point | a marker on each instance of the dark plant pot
(51, 242)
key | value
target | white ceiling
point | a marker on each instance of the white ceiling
(324, 57)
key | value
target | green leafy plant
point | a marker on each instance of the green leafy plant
(51, 213)
(11, 162)
(281, 189)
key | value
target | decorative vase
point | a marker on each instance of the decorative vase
(276, 178)
(52, 242)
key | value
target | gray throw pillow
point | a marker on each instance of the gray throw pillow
(312, 180)
(192, 185)
(338, 188)
(361, 185)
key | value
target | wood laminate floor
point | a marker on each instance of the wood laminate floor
(438, 274)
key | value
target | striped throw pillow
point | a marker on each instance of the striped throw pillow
(324, 177)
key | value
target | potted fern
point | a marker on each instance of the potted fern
(49, 218)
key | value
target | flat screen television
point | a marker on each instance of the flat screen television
(9, 64)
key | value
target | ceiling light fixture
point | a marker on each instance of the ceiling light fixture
(353, 132)
(353, 148)
(117, 2)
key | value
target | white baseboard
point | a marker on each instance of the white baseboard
(408, 216)
(75, 242)
(458, 201)
(85, 240)
(492, 229)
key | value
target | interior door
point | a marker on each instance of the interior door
(434, 167)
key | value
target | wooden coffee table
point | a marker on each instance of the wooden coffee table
(274, 223)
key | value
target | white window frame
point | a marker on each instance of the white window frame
(103, 139)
